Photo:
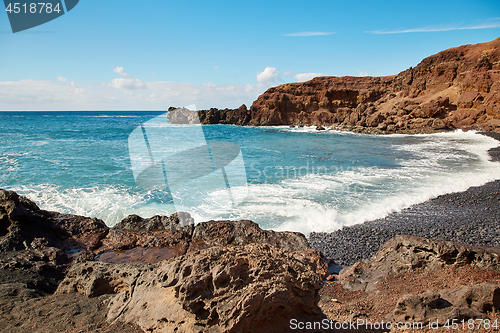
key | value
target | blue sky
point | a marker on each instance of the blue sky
(149, 55)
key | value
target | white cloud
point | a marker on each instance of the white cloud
(360, 73)
(119, 70)
(269, 76)
(153, 73)
(490, 23)
(52, 95)
(308, 34)
(306, 76)
(129, 93)
(127, 82)
(45, 95)
(288, 73)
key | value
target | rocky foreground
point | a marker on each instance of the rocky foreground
(458, 88)
(66, 273)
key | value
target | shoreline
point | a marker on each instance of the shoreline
(470, 217)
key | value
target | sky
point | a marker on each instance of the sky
(150, 55)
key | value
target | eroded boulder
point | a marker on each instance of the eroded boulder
(222, 233)
(254, 288)
(469, 302)
(406, 253)
(21, 222)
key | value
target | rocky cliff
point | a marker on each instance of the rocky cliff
(458, 88)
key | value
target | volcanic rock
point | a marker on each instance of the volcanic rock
(409, 253)
(36, 245)
(468, 302)
(255, 288)
(177, 221)
(182, 116)
(222, 275)
(173, 232)
(223, 233)
(27, 310)
(240, 116)
(22, 223)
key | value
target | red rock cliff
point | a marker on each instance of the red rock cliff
(456, 88)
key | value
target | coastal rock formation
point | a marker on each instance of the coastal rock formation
(222, 276)
(36, 249)
(413, 280)
(158, 232)
(408, 253)
(230, 276)
(22, 223)
(240, 116)
(456, 88)
(255, 288)
(36, 246)
(445, 305)
(24, 226)
(224, 233)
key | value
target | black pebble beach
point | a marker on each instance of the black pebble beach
(471, 217)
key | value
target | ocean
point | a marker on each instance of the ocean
(297, 179)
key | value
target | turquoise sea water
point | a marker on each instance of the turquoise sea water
(298, 178)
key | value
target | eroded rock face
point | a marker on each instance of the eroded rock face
(255, 288)
(407, 253)
(445, 305)
(456, 88)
